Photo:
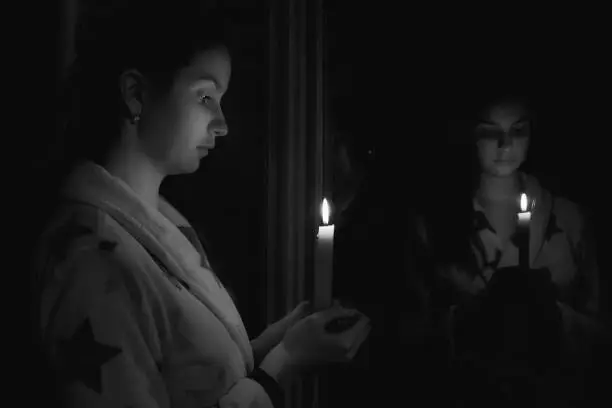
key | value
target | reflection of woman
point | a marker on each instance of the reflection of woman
(128, 311)
(564, 274)
(352, 163)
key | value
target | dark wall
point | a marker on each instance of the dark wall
(397, 78)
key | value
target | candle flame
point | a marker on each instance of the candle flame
(325, 211)
(523, 202)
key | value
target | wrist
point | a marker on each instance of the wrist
(278, 364)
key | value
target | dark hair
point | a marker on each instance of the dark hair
(452, 227)
(157, 39)
(462, 125)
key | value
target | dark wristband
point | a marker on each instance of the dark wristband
(269, 384)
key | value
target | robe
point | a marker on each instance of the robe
(128, 311)
(561, 243)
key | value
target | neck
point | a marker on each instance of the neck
(494, 188)
(137, 171)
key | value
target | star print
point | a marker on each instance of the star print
(84, 357)
(481, 222)
(493, 264)
(108, 246)
(64, 236)
(552, 228)
(517, 238)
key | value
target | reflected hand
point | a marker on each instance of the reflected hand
(463, 281)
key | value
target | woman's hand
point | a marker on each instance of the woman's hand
(274, 333)
(462, 281)
(311, 341)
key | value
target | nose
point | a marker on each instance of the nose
(218, 127)
(505, 141)
(220, 131)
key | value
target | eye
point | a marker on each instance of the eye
(486, 133)
(520, 130)
(205, 99)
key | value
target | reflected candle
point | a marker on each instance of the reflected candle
(524, 219)
(324, 260)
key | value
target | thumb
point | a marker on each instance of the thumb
(336, 312)
(303, 308)
(354, 332)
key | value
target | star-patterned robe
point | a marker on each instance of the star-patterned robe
(128, 310)
(559, 240)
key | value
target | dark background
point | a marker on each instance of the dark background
(398, 78)
(395, 78)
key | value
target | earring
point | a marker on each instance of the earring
(136, 119)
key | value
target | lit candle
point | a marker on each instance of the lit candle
(524, 218)
(324, 260)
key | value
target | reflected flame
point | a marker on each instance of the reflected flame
(325, 211)
(524, 202)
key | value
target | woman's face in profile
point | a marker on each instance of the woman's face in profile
(502, 135)
(180, 128)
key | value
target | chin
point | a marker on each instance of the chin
(503, 170)
(193, 167)
(186, 167)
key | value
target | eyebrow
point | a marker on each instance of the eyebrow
(209, 78)
(521, 120)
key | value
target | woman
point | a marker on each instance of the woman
(128, 311)
(477, 258)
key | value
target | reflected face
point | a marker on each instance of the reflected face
(502, 136)
(345, 178)
(179, 128)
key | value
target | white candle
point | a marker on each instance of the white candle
(324, 261)
(524, 217)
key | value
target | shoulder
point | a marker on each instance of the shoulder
(87, 267)
(567, 209)
(571, 216)
(82, 245)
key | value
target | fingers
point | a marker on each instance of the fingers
(335, 312)
(300, 308)
(361, 324)
(351, 339)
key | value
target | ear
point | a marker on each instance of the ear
(132, 86)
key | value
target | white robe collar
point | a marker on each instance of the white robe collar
(157, 230)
